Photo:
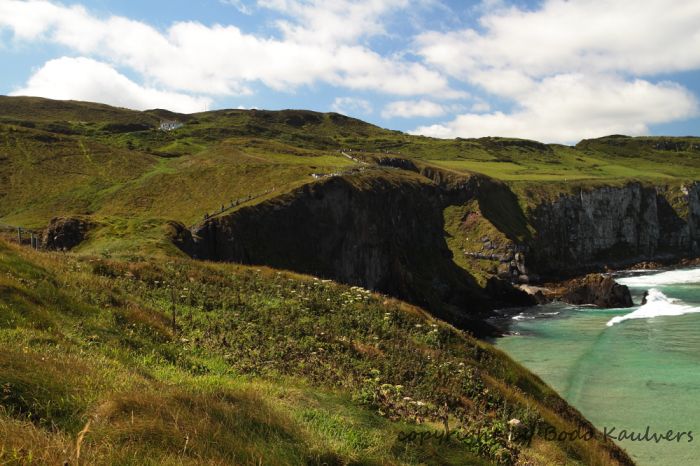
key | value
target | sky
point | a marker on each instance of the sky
(554, 70)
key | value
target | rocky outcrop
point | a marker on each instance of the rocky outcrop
(614, 226)
(385, 229)
(384, 233)
(64, 233)
(539, 294)
(397, 162)
(505, 294)
(645, 297)
(596, 289)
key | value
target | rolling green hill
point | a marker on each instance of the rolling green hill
(114, 165)
(265, 366)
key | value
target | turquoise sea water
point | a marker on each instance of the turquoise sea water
(624, 368)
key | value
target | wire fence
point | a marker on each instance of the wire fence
(23, 235)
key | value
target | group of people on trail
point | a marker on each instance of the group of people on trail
(236, 202)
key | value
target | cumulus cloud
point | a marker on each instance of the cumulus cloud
(560, 71)
(566, 108)
(334, 21)
(85, 79)
(564, 37)
(352, 106)
(480, 106)
(413, 108)
(571, 69)
(223, 60)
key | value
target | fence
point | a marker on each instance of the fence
(24, 235)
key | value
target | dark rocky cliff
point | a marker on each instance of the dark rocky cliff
(614, 226)
(382, 231)
(388, 229)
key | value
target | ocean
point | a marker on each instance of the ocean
(634, 369)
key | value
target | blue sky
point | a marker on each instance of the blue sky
(552, 70)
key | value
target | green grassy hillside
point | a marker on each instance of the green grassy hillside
(114, 165)
(261, 367)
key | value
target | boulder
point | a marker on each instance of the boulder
(64, 233)
(540, 294)
(599, 290)
(504, 294)
(644, 297)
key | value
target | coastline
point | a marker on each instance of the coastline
(552, 291)
(608, 362)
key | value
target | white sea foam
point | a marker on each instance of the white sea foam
(671, 277)
(658, 304)
(523, 316)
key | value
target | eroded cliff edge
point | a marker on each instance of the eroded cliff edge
(449, 243)
(382, 230)
(615, 226)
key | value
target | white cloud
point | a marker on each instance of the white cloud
(567, 108)
(480, 106)
(568, 69)
(562, 36)
(351, 106)
(413, 108)
(334, 21)
(571, 69)
(223, 60)
(89, 80)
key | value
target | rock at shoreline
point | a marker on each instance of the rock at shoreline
(540, 294)
(647, 265)
(599, 290)
(644, 297)
(506, 295)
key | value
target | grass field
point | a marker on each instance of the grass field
(261, 367)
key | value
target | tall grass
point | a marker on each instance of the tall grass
(263, 367)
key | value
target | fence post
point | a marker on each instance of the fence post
(19, 235)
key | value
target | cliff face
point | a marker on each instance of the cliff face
(614, 225)
(384, 233)
(423, 235)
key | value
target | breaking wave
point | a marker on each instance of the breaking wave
(523, 316)
(672, 277)
(658, 304)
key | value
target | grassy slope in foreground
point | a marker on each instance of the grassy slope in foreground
(265, 368)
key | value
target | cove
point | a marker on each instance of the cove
(632, 370)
